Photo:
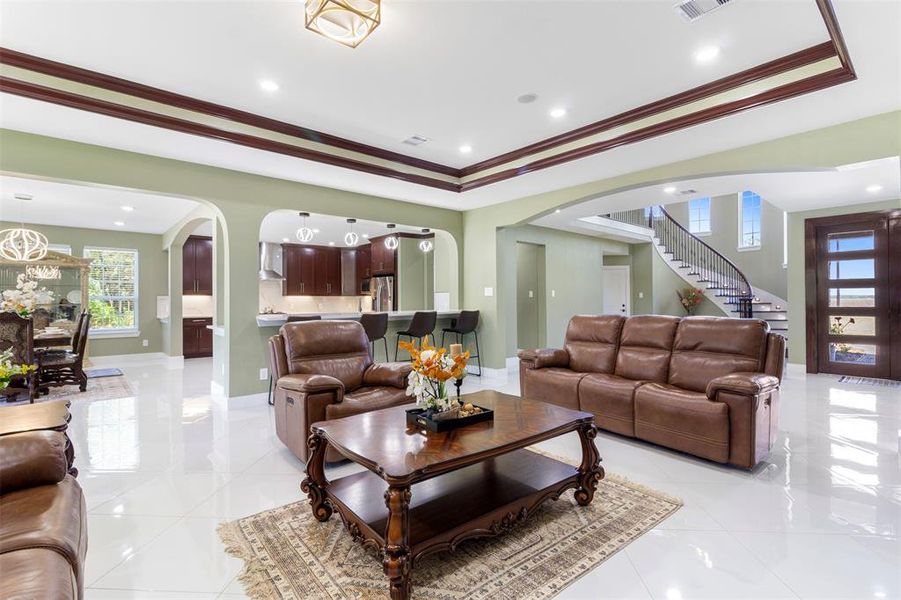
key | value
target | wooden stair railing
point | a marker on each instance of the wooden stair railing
(718, 272)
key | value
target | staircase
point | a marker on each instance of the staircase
(699, 265)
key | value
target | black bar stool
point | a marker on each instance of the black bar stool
(422, 325)
(466, 323)
(376, 327)
(290, 320)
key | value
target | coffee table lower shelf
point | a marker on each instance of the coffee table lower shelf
(486, 498)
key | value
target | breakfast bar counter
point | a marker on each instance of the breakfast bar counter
(279, 319)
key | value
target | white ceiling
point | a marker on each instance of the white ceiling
(90, 207)
(282, 225)
(792, 192)
(460, 84)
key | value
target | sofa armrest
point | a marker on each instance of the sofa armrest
(312, 384)
(392, 374)
(31, 459)
(542, 358)
(746, 384)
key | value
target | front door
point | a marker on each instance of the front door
(856, 291)
(616, 291)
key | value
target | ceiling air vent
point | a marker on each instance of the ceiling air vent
(687, 192)
(692, 10)
(416, 140)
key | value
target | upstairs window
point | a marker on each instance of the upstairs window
(113, 290)
(749, 220)
(699, 215)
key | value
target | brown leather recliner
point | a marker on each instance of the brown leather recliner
(323, 371)
(707, 386)
(43, 527)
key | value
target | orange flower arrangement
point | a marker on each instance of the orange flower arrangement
(432, 368)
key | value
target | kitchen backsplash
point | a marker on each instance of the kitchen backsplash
(271, 298)
(197, 306)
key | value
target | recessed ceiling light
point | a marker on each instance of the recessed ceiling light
(128, 208)
(465, 149)
(315, 230)
(286, 240)
(331, 243)
(670, 189)
(366, 235)
(707, 54)
(119, 223)
(556, 211)
(874, 188)
(558, 113)
(267, 85)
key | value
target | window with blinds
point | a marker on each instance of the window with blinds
(113, 289)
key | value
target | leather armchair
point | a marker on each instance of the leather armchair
(323, 370)
(43, 531)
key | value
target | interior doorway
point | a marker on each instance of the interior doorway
(531, 312)
(617, 290)
(853, 270)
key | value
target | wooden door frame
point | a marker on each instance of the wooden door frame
(628, 271)
(810, 273)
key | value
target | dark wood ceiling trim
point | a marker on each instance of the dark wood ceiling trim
(775, 67)
(784, 92)
(115, 84)
(827, 11)
(64, 98)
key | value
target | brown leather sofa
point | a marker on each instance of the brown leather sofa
(323, 371)
(43, 530)
(707, 386)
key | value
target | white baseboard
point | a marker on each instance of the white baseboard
(175, 362)
(236, 402)
(512, 366)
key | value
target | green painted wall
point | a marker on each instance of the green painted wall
(762, 267)
(531, 309)
(865, 139)
(797, 292)
(240, 199)
(152, 280)
(415, 276)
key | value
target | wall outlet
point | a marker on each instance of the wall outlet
(531, 294)
(553, 293)
(641, 294)
(145, 343)
(489, 291)
(264, 374)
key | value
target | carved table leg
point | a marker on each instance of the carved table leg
(590, 471)
(315, 483)
(396, 557)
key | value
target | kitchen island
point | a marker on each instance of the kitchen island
(279, 319)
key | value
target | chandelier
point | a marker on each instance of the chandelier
(347, 22)
(426, 245)
(351, 238)
(391, 240)
(21, 244)
(304, 234)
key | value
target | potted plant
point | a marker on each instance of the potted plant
(8, 370)
(427, 382)
(690, 298)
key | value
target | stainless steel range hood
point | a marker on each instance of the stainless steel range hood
(270, 262)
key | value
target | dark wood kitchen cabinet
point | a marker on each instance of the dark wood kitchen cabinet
(197, 266)
(197, 339)
(311, 270)
(363, 265)
(384, 259)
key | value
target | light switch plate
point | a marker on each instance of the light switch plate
(264, 374)
(553, 293)
(489, 291)
(531, 294)
(145, 343)
(641, 294)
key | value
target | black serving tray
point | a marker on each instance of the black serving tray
(417, 418)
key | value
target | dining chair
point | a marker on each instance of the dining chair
(17, 334)
(67, 368)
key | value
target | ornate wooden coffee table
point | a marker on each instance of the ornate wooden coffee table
(442, 488)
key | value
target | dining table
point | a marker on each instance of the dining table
(50, 339)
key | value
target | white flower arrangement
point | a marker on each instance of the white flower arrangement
(25, 298)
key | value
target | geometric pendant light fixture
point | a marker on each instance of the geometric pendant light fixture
(351, 239)
(347, 22)
(391, 240)
(426, 245)
(22, 244)
(304, 234)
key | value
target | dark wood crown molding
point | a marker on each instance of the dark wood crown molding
(834, 48)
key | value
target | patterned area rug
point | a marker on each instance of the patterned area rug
(288, 555)
(106, 388)
(869, 381)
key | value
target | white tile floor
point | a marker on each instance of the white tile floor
(821, 519)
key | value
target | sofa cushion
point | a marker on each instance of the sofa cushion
(683, 420)
(610, 398)
(367, 399)
(645, 347)
(48, 516)
(339, 349)
(37, 573)
(708, 347)
(591, 342)
(555, 385)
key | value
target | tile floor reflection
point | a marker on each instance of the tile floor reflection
(820, 519)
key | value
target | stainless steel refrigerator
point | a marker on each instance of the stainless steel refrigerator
(382, 293)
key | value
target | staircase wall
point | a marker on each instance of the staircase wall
(762, 267)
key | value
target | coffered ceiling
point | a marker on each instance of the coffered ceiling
(449, 71)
